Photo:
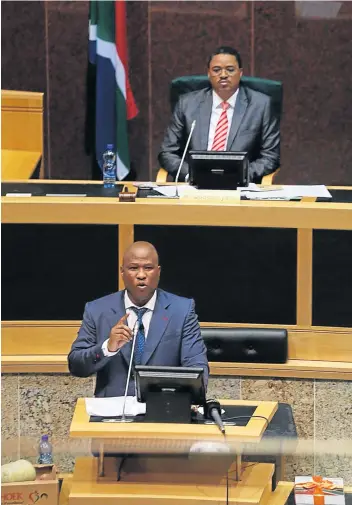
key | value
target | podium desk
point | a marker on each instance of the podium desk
(159, 467)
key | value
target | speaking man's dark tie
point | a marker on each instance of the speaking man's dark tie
(140, 337)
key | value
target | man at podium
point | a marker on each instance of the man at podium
(165, 327)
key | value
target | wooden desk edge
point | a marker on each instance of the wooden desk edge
(334, 370)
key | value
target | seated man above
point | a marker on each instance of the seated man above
(168, 335)
(229, 117)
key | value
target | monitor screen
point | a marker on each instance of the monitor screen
(170, 379)
(218, 169)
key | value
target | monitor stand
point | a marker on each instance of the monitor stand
(168, 407)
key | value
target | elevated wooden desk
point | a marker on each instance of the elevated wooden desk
(301, 215)
(308, 342)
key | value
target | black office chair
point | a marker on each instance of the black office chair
(246, 345)
(189, 83)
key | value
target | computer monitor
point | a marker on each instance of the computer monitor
(169, 392)
(218, 169)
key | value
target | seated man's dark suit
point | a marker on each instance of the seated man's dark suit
(254, 129)
(173, 339)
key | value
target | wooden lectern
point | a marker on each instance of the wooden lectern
(154, 464)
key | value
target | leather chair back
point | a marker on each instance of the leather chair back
(247, 345)
(188, 83)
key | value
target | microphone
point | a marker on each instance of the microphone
(212, 410)
(123, 416)
(183, 157)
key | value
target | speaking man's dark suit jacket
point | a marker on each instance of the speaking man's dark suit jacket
(173, 339)
(254, 129)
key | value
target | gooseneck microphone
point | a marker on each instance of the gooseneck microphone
(212, 410)
(123, 416)
(183, 157)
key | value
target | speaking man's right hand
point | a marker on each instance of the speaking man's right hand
(120, 335)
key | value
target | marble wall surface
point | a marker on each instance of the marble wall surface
(307, 45)
(44, 403)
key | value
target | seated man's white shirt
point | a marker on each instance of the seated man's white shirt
(132, 319)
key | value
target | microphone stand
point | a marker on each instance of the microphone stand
(123, 416)
(183, 157)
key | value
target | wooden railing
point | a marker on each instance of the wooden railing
(42, 347)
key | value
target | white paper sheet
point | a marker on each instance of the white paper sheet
(18, 194)
(317, 191)
(145, 185)
(251, 187)
(112, 407)
(287, 193)
(170, 191)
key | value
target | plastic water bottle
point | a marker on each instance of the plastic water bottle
(45, 451)
(109, 167)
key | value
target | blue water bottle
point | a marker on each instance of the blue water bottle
(45, 451)
(109, 167)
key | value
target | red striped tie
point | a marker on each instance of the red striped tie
(219, 142)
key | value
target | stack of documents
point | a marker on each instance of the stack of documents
(112, 407)
(254, 192)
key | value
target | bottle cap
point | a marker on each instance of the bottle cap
(110, 146)
(45, 437)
